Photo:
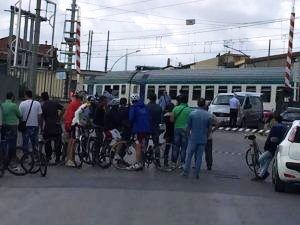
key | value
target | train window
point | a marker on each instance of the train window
(196, 92)
(251, 89)
(90, 89)
(135, 89)
(99, 90)
(116, 90)
(266, 93)
(236, 88)
(222, 89)
(107, 87)
(185, 90)
(173, 92)
(150, 91)
(209, 92)
(123, 89)
(161, 90)
(279, 92)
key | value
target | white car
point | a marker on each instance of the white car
(286, 166)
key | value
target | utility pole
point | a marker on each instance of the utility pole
(33, 66)
(106, 57)
(269, 53)
(70, 42)
(89, 50)
(126, 60)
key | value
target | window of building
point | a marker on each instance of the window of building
(123, 89)
(173, 92)
(251, 89)
(185, 90)
(209, 92)
(266, 93)
(116, 90)
(222, 89)
(236, 89)
(150, 91)
(196, 92)
(90, 89)
(161, 90)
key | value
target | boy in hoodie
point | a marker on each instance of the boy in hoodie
(139, 118)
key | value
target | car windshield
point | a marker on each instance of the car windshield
(291, 116)
(224, 99)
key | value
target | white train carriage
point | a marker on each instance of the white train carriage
(206, 83)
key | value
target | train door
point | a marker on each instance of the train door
(143, 86)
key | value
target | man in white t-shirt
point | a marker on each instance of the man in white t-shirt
(33, 121)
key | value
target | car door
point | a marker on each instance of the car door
(254, 111)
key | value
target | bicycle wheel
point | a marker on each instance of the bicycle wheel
(78, 155)
(43, 165)
(87, 151)
(122, 155)
(104, 157)
(163, 157)
(248, 158)
(255, 162)
(21, 164)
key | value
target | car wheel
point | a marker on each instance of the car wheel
(279, 185)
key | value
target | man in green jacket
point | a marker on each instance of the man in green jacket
(10, 120)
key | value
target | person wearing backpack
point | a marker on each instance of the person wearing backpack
(180, 116)
(31, 112)
(164, 101)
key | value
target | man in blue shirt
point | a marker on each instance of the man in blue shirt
(199, 123)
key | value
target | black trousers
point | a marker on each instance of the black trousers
(57, 146)
(233, 117)
(208, 153)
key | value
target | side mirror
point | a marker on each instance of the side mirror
(248, 106)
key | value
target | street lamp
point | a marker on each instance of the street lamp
(226, 46)
(127, 54)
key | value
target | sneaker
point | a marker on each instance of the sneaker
(265, 176)
(70, 163)
(209, 168)
(256, 179)
(184, 175)
(135, 167)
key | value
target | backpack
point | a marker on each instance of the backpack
(85, 116)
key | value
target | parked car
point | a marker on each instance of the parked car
(290, 115)
(251, 110)
(286, 166)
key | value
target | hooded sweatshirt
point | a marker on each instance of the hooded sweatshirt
(139, 118)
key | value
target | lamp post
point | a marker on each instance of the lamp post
(226, 46)
(127, 54)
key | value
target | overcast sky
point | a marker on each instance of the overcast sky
(158, 29)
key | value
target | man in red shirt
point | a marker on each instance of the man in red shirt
(70, 129)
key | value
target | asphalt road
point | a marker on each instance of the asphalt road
(91, 196)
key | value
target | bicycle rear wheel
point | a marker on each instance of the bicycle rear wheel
(163, 157)
(43, 165)
(21, 164)
(255, 162)
(122, 155)
(78, 155)
(104, 157)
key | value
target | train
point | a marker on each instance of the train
(206, 83)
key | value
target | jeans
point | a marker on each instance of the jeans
(197, 150)
(10, 134)
(180, 143)
(264, 161)
(31, 134)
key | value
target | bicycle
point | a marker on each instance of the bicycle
(122, 154)
(38, 155)
(17, 165)
(253, 154)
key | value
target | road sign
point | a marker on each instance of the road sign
(190, 22)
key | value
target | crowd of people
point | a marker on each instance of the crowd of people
(188, 129)
(133, 119)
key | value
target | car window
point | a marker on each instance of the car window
(222, 100)
(291, 116)
(256, 103)
(297, 135)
